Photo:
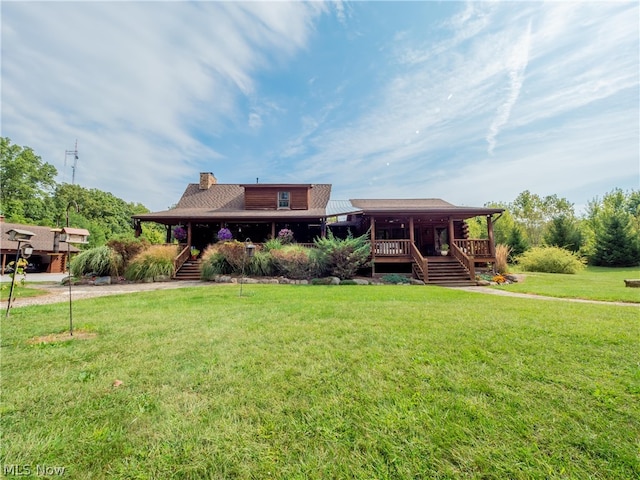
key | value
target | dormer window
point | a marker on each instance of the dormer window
(284, 200)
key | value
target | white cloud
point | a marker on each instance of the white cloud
(133, 81)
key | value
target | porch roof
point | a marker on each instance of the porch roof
(419, 206)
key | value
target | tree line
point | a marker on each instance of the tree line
(607, 234)
(29, 194)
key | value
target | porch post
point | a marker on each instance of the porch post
(451, 234)
(492, 245)
(411, 236)
(373, 246)
(168, 236)
(273, 229)
(189, 233)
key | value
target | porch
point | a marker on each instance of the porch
(456, 267)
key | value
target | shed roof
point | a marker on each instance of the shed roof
(42, 241)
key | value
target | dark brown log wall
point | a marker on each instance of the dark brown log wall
(267, 198)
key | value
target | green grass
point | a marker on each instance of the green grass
(20, 291)
(593, 283)
(324, 382)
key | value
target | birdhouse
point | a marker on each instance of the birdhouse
(74, 235)
(17, 235)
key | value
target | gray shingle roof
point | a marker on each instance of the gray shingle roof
(42, 241)
(226, 201)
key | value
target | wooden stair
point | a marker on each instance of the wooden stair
(445, 271)
(190, 270)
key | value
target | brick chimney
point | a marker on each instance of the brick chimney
(206, 180)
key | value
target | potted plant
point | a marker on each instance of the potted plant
(444, 249)
(194, 253)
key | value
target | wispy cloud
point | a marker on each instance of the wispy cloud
(139, 85)
(516, 66)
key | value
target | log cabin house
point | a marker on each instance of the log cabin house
(407, 235)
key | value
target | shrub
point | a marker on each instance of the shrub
(272, 244)
(343, 258)
(502, 258)
(213, 263)
(394, 278)
(98, 261)
(296, 262)
(233, 253)
(261, 265)
(550, 260)
(152, 263)
(127, 248)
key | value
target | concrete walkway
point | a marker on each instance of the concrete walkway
(506, 293)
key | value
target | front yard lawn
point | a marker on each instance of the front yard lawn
(323, 382)
(593, 283)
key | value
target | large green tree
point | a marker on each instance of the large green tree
(614, 227)
(533, 213)
(26, 184)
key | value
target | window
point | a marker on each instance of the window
(283, 200)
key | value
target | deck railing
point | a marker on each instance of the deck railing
(420, 261)
(392, 248)
(182, 257)
(466, 261)
(474, 247)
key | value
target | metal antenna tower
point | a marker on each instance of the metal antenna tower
(75, 162)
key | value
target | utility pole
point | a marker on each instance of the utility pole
(73, 152)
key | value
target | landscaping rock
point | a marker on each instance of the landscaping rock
(334, 280)
(483, 283)
(632, 283)
(361, 281)
(415, 281)
(511, 278)
(161, 278)
(222, 279)
(102, 281)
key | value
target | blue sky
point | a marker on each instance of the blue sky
(470, 102)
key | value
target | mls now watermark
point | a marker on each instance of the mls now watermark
(15, 470)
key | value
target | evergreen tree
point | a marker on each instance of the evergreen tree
(562, 232)
(517, 243)
(616, 244)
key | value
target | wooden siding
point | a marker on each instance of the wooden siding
(266, 198)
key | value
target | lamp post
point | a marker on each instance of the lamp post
(16, 235)
(249, 250)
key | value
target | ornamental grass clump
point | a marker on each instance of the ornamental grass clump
(151, 264)
(502, 258)
(297, 262)
(550, 260)
(99, 261)
(213, 263)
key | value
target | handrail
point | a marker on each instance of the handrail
(420, 261)
(467, 262)
(474, 247)
(181, 259)
(391, 248)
